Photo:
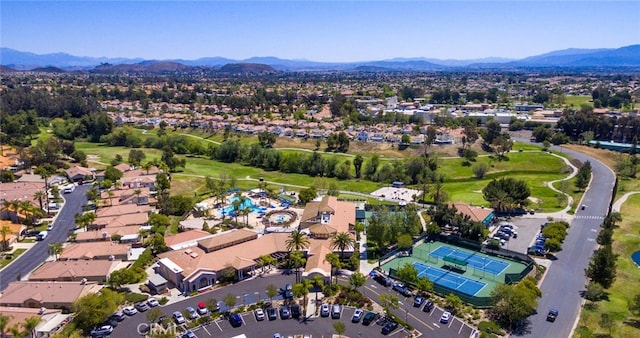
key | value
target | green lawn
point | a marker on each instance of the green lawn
(577, 101)
(626, 240)
(15, 254)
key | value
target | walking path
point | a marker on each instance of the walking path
(618, 204)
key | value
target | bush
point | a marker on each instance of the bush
(490, 328)
(163, 300)
(132, 297)
(353, 298)
(595, 292)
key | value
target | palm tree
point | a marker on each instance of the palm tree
(4, 324)
(297, 241)
(342, 241)
(297, 260)
(40, 195)
(137, 192)
(302, 290)
(30, 325)
(55, 249)
(4, 231)
(334, 260)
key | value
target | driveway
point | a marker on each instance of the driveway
(64, 222)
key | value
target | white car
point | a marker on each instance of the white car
(324, 310)
(101, 331)
(259, 314)
(357, 315)
(179, 318)
(129, 310)
(153, 302)
(445, 318)
(49, 227)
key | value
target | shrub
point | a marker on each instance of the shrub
(163, 300)
(133, 297)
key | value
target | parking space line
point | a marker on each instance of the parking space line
(205, 328)
(221, 330)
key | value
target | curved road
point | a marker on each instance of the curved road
(565, 279)
(64, 222)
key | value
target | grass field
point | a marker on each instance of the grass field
(626, 240)
(577, 101)
(14, 255)
(530, 164)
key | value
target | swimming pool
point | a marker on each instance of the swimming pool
(247, 204)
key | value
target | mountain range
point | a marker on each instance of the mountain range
(624, 57)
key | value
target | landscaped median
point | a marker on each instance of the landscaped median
(9, 257)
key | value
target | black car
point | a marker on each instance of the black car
(389, 327)
(295, 311)
(552, 315)
(428, 306)
(368, 318)
(272, 313)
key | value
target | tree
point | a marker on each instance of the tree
(634, 305)
(493, 130)
(453, 303)
(602, 266)
(136, 156)
(84, 220)
(230, 300)
(55, 249)
(480, 169)
(30, 325)
(172, 162)
(297, 241)
(271, 291)
(513, 303)
(357, 280)
(4, 232)
(306, 195)
(339, 327)
(154, 314)
(342, 241)
(506, 194)
(267, 139)
(302, 290)
(267, 260)
(4, 324)
(606, 322)
(594, 292)
(357, 164)
(93, 309)
(334, 260)
(583, 176)
(112, 174)
(405, 241)
(388, 302)
(408, 273)
(296, 261)
(424, 285)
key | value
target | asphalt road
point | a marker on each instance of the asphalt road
(251, 291)
(565, 279)
(33, 257)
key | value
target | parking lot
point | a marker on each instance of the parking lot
(527, 228)
(313, 327)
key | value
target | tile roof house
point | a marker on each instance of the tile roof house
(328, 216)
(74, 271)
(192, 268)
(78, 173)
(475, 213)
(50, 319)
(139, 219)
(95, 250)
(125, 209)
(126, 234)
(52, 295)
(186, 239)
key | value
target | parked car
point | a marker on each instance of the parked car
(179, 318)
(389, 327)
(129, 310)
(428, 306)
(235, 320)
(259, 313)
(192, 312)
(382, 279)
(152, 302)
(101, 331)
(202, 309)
(445, 318)
(552, 315)
(284, 312)
(50, 227)
(324, 310)
(272, 313)
(402, 289)
(142, 306)
(336, 311)
(119, 316)
(357, 315)
(418, 301)
(189, 334)
(295, 311)
(369, 317)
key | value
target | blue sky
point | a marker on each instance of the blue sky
(316, 30)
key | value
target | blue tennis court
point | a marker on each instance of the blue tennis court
(478, 262)
(450, 280)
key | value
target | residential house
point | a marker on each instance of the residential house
(78, 173)
(95, 251)
(476, 214)
(186, 239)
(74, 271)
(50, 319)
(50, 295)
